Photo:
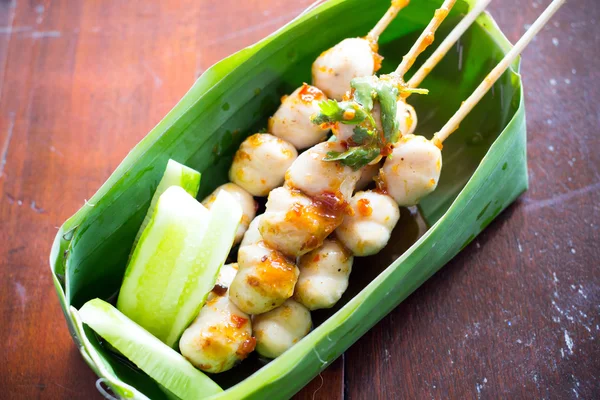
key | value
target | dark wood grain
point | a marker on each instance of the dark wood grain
(515, 315)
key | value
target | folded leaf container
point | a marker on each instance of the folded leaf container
(485, 169)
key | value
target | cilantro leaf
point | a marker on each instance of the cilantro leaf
(364, 91)
(361, 135)
(387, 95)
(330, 107)
(354, 114)
(346, 112)
(354, 157)
(330, 112)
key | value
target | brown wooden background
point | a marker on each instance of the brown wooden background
(515, 315)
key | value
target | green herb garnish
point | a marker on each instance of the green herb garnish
(387, 95)
(364, 91)
(355, 157)
(368, 139)
(362, 136)
(346, 112)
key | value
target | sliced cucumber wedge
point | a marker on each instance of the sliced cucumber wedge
(176, 262)
(176, 174)
(225, 217)
(159, 361)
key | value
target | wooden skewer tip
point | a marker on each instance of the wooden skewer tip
(425, 39)
(447, 44)
(387, 19)
(488, 82)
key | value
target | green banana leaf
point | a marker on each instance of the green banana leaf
(484, 170)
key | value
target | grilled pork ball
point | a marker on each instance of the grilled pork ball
(324, 274)
(226, 275)
(281, 328)
(266, 278)
(412, 171)
(407, 118)
(295, 224)
(333, 70)
(367, 175)
(246, 202)
(292, 121)
(315, 177)
(221, 335)
(368, 230)
(260, 163)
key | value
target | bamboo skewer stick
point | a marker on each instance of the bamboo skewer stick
(387, 18)
(425, 39)
(466, 107)
(447, 44)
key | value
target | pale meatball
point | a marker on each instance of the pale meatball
(226, 275)
(221, 335)
(292, 121)
(405, 114)
(265, 279)
(367, 175)
(333, 70)
(281, 328)
(245, 200)
(252, 235)
(412, 171)
(315, 177)
(324, 274)
(407, 118)
(295, 224)
(368, 230)
(260, 163)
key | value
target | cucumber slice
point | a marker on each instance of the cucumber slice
(159, 361)
(225, 216)
(176, 262)
(176, 174)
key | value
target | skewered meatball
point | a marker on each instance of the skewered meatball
(252, 235)
(292, 121)
(246, 202)
(296, 224)
(368, 230)
(412, 171)
(281, 328)
(407, 118)
(221, 335)
(367, 175)
(333, 70)
(226, 275)
(316, 177)
(324, 274)
(265, 278)
(260, 163)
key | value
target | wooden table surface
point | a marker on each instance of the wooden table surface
(515, 315)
